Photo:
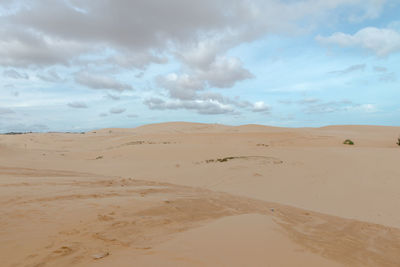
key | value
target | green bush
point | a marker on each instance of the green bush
(348, 142)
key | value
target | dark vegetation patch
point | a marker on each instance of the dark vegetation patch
(226, 159)
(221, 159)
(348, 142)
(19, 133)
(134, 143)
(16, 133)
(263, 145)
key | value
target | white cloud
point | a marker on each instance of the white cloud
(205, 107)
(380, 41)
(318, 106)
(369, 108)
(260, 106)
(221, 73)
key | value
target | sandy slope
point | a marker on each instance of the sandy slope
(186, 194)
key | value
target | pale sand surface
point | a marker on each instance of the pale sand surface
(243, 240)
(157, 196)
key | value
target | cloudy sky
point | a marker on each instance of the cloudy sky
(75, 65)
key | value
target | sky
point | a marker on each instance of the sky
(78, 65)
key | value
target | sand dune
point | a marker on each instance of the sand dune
(189, 194)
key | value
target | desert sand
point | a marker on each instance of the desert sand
(189, 194)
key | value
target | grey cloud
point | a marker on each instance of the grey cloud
(48, 32)
(202, 54)
(50, 76)
(380, 69)
(225, 72)
(135, 60)
(388, 77)
(353, 68)
(24, 48)
(182, 93)
(139, 25)
(117, 110)
(81, 26)
(103, 114)
(285, 101)
(308, 101)
(181, 86)
(385, 76)
(200, 101)
(139, 75)
(77, 105)
(113, 97)
(5, 111)
(101, 82)
(372, 10)
(15, 74)
(155, 103)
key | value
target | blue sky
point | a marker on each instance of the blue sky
(69, 65)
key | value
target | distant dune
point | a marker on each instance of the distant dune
(192, 194)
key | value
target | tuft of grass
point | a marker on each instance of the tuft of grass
(263, 145)
(226, 159)
(99, 157)
(398, 141)
(348, 142)
(222, 159)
